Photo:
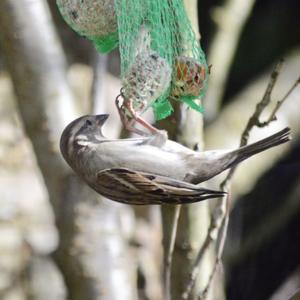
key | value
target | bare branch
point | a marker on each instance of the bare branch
(225, 185)
(215, 224)
(230, 19)
(222, 235)
(254, 119)
(280, 102)
(169, 256)
(37, 66)
(193, 220)
(234, 123)
(220, 218)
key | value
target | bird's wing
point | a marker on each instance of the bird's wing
(131, 187)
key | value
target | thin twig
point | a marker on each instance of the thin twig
(223, 235)
(254, 119)
(188, 130)
(210, 237)
(196, 269)
(280, 102)
(169, 256)
(220, 218)
(226, 184)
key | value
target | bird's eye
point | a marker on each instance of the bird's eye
(88, 123)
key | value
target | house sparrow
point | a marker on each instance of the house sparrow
(148, 170)
(189, 77)
(147, 78)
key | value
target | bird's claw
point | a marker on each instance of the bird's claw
(129, 116)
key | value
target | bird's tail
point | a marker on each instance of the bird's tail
(276, 139)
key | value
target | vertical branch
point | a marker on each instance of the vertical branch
(219, 221)
(194, 219)
(254, 119)
(90, 241)
(38, 69)
(169, 238)
(230, 19)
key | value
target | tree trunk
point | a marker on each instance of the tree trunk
(194, 219)
(92, 254)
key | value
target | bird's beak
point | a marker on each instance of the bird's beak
(100, 119)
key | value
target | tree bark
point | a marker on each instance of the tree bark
(194, 219)
(92, 254)
(230, 19)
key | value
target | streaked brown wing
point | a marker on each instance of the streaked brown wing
(131, 187)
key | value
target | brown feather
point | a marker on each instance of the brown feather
(144, 188)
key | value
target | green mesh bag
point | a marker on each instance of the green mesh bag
(161, 58)
(94, 19)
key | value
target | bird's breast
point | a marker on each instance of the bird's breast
(142, 158)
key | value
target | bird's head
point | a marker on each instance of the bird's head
(80, 133)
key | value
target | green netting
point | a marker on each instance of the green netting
(94, 19)
(160, 28)
(107, 43)
(161, 60)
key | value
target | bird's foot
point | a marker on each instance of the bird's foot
(129, 117)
